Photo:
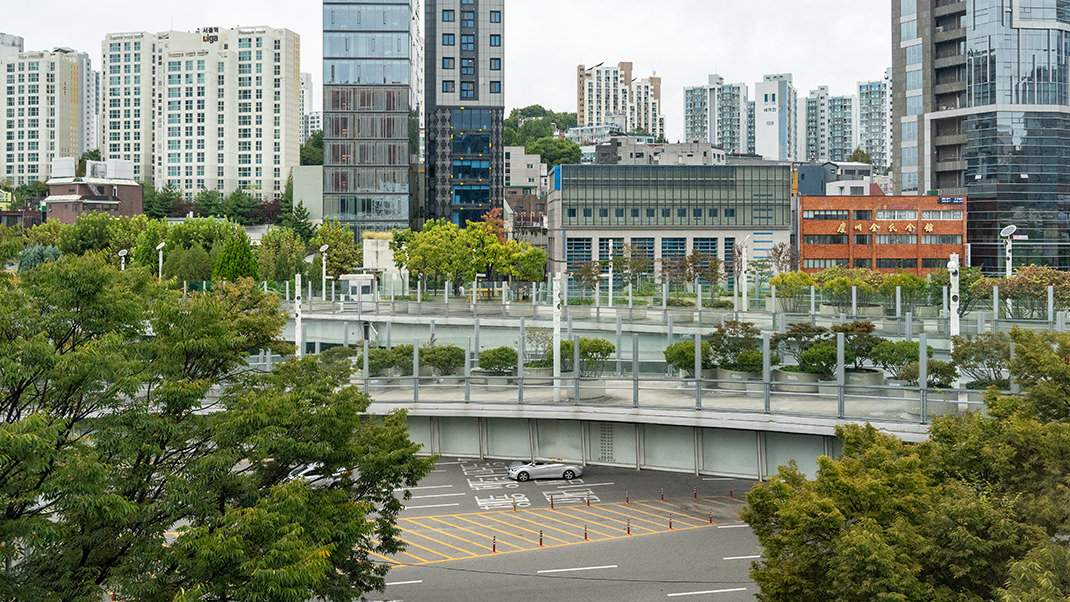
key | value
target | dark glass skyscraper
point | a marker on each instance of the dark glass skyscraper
(982, 107)
(465, 101)
(369, 94)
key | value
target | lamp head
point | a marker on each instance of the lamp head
(1008, 231)
(161, 246)
(123, 253)
(324, 248)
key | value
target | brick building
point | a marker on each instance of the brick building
(888, 233)
(70, 197)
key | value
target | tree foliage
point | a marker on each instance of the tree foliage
(280, 255)
(344, 256)
(35, 255)
(555, 151)
(860, 156)
(236, 260)
(106, 448)
(312, 149)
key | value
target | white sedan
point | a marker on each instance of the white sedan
(544, 469)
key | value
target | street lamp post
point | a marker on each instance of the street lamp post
(159, 250)
(953, 305)
(323, 277)
(1008, 242)
(122, 260)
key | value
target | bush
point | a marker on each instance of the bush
(379, 361)
(893, 357)
(858, 337)
(985, 358)
(445, 359)
(748, 360)
(820, 358)
(718, 304)
(678, 302)
(798, 338)
(580, 301)
(593, 354)
(401, 357)
(682, 356)
(731, 338)
(940, 374)
(499, 361)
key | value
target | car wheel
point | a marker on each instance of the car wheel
(569, 475)
(522, 476)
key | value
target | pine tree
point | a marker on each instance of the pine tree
(235, 260)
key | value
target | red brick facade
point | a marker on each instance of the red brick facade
(70, 198)
(906, 233)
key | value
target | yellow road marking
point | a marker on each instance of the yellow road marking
(633, 518)
(401, 552)
(489, 528)
(472, 532)
(676, 516)
(587, 525)
(519, 527)
(545, 526)
(430, 550)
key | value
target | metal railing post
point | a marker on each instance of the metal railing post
(840, 373)
(767, 372)
(635, 370)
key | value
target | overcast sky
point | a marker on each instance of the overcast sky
(832, 42)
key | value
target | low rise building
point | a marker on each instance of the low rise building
(108, 188)
(915, 234)
(626, 151)
(666, 211)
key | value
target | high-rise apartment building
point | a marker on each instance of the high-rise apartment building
(831, 126)
(608, 94)
(817, 131)
(874, 120)
(776, 114)
(215, 109)
(367, 101)
(306, 105)
(465, 98)
(982, 109)
(44, 99)
(718, 113)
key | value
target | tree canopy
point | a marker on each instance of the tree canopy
(312, 149)
(116, 479)
(970, 515)
(443, 251)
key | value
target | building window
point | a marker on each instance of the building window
(908, 31)
(945, 216)
(863, 239)
(447, 62)
(863, 214)
(826, 215)
(496, 87)
(468, 18)
(934, 263)
(821, 264)
(448, 16)
(447, 85)
(941, 239)
(825, 239)
(897, 214)
(448, 39)
(495, 16)
(913, 105)
(495, 64)
(910, 182)
(897, 264)
(468, 89)
(495, 40)
(468, 41)
(910, 156)
(914, 79)
(468, 66)
(571, 212)
(897, 239)
(863, 263)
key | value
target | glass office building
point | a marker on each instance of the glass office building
(367, 99)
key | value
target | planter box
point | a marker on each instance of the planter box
(784, 306)
(538, 376)
(493, 382)
(898, 389)
(828, 388)
(926, 311)
(863, 383)
(794, 382)
(734, 380)
(864, 310)
(591, 389)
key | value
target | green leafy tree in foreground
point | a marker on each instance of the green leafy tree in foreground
(235, 260)
(343, 254)
(106, 448)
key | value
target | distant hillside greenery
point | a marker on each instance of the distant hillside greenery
(536, 134)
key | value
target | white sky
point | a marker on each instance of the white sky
(832, 42)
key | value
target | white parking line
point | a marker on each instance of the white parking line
(711, 591)
(427, 487)
(580, 486)
(741, 557)
(718, 479)
(431, 506)
(583, 568)
(731, 526)
(423, 497)
(405, 582)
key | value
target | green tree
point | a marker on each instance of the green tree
(106, 448)
(860, 156)
(556, 151)
(298, 221)
(280, 255)
(208, 203)
(343, 254)
(47, 233)
(90, 232)
(286, 201)
(35, 255)
(162, 202)
(201, 231)
(238, 206)
(236, 260)
(30, 191)
(89, 155)
(312, 149)
(144, 251)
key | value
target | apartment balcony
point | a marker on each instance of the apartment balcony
(953, 165)
(949, 88)
(941, 35)
(955, 60)
(949, 140)
(949, 7)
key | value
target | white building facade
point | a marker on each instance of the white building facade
(776, 115)
(717, 113)
(216, 109)
(306, 104)
(832, 126)
(607, 94)
(874, 120)
(46, 104)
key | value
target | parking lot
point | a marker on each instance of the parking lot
(471, 508)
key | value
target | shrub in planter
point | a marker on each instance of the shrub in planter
(445, 359)
(893, 357)
(731, 337)
(799, 338)
(593, 354)
(858, 337)
(748, 360)
(678, 302)
(401, 357)
(537, 347)
(681, 356)
(793, 288)
(940, 375)
(984, 358)
(820, 358)
(499, 361)
(581, 301)
(718, 304)
(379, 361)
